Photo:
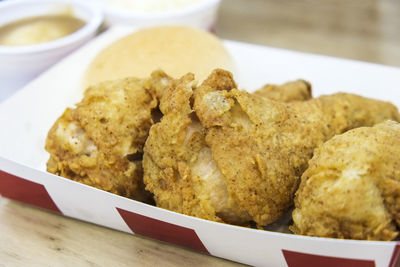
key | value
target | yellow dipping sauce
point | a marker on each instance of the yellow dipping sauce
(40, 29)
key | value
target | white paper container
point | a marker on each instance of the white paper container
(28, 115)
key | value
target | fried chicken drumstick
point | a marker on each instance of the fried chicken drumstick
(352, 187)
(100, 142)
(227, 155)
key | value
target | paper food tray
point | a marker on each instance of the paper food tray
(26, 118)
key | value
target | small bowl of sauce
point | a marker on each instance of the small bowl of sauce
(35, 34)
(40, 29)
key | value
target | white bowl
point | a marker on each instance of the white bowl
(200, 15)
(20, 64)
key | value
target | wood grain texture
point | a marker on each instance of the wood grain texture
(367, 30)
(33, 237)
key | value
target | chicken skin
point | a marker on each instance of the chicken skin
(227, 155)
(100, 141)
(351, 188)
(174, 151)
(199, 190)
(299, 90)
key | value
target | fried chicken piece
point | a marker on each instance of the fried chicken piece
(178, 166)
(351, 188)
(299, 90)
(100, 142)
(182, 174)
(262, 147)
(236, 157)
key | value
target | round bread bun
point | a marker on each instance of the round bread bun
(176, 50)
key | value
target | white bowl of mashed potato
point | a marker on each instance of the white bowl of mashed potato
(139, 13)
(35, 34)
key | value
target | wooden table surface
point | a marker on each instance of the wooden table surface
(367, 30)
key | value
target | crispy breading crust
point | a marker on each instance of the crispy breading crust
(299, 90)
(351, 188)
(262, 147)
(100, 142)
(169, 151)
(179, 168)
(227, 155)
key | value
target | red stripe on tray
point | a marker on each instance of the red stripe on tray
(395, 260)
(298, 259)
(22, 190)
(163, 231)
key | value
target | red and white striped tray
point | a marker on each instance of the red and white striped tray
(26, 118)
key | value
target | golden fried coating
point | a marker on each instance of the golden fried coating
(175, 152)
(351, 188)
(178, 166)
(100, 142)
(299, 90)
(262, 147)
(182, 174)
(236, 157)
